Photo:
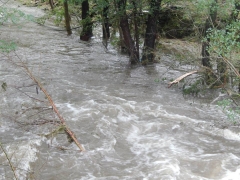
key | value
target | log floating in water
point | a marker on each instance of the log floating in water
(180, 78)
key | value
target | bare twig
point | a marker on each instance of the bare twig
(9, 162)
(29, 95)
(231, 66)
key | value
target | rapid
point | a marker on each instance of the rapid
(131, 124)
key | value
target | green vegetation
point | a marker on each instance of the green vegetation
(4, 86)
(193, 89)
(14, 16)
(7, 46)
(232, 112)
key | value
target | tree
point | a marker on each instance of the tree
(136, 21)
(223, 40)
(128, 40)
(209, 23)
(67, 17)
(86, 33)
(51, 3)
(105, 23)
(151, 32)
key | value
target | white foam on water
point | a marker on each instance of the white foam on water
(27, 154)
(231, 166)
(228, 134)
(232, 175)
(22, 154)
(179, 117)
(3, 128)
(146, 143)
(78, 110)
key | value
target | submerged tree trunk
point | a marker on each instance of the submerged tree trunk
(86, 33)
(136, 21)
(128, 41)
(105, 25)
(151, 32)
(67, 18)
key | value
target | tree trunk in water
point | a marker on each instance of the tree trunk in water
(86, 33)
(67, 18)
(136, 21)
(106, 31)
(128, 41)
(151, 32)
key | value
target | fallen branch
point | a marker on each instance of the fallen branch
(180, 78)
(54, 108)
(62, 121)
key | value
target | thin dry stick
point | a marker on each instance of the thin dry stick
(180, 78)
(232, 67)
(71, 134)
(9, 162)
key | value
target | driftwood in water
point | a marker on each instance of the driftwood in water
(62, 121)
(180, 78)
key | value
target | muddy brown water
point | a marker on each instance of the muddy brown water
(131, 125)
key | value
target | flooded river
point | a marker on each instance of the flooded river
(132, 126)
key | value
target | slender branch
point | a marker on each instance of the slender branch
(30, 74)
(54, 108)
(29, 95)
(9, 162)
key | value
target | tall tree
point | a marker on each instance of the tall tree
(128, 41)
(151, 32)
(105, 24)
(67, 17)
(51, 3)
(136, 21)
(86, 33)
(210, 21)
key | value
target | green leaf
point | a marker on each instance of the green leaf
(4, 86)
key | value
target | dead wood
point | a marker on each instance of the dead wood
(180, 78)
(70, 133)
(62, 121)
